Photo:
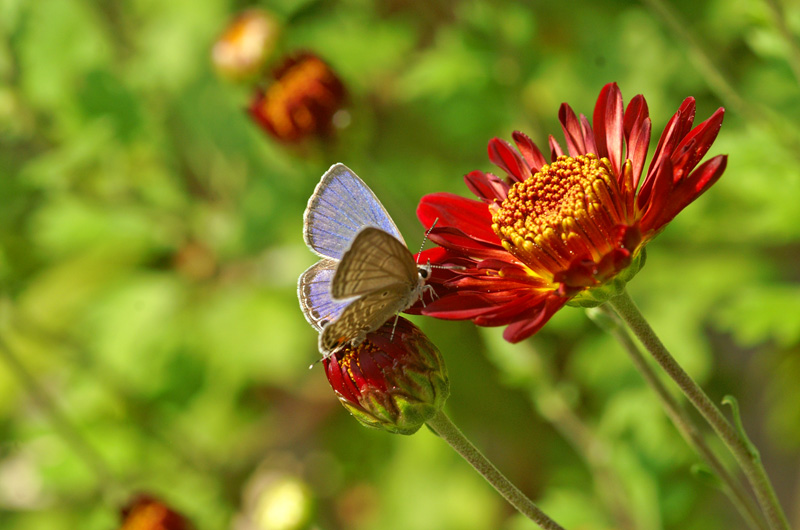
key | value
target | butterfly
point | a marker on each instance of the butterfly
(366, 274)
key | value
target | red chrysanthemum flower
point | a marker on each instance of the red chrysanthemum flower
(572, 230)
(301, 99)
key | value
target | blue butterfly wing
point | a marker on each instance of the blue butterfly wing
(314, 293)
(341, 206)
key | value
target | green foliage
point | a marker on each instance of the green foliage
(150, 241)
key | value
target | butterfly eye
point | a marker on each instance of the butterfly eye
(423, 273)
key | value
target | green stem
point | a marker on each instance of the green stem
(687, 428)
(76, 356)
(550, 399)
(68, 432)
(779, 16)
(444, 427)
(748, 460)
(719, 83)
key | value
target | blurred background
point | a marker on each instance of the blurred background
(150, 244)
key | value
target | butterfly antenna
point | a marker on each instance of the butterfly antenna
(425, 239)
(312, 365)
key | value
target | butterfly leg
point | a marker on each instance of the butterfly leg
(394, 327)
(430, 290)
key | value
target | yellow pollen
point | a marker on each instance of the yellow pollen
(554, 203)
(351, 356)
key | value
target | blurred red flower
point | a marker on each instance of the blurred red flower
(147, 513)
(246, 44)
(301, 99)
(572, 230)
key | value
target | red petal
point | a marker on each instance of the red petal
(537, 318)
(555, 148)
(637, 138)
(628, 237)
(580, 273)
(635, 112)
(509, 269)
(342, 385)
(498, 264)
(608, 125)
(517, 307)
(435, 255)
(572, 131)
(612, 263)
(674, 132)
(696, 144)
(533, 156)
(503, 155)
(371, 372)
(494, 284)
(687, 109)
(655, 193)
(467, 244)
(486, 186)
(704, 177)
(588, 135)
(683, 194)
(470, 216)
(459, 306)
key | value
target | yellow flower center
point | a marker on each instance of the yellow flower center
(567, 210)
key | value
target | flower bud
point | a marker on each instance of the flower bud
(301, 100)
(245, 45)
(148, 513)
(394, 380)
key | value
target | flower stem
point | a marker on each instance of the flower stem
(551, 399)
(719, 82)
(687, 428)
(61, 423)
(748, 460)
(444, 427)
(779, 16)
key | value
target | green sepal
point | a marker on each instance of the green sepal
(603, 293)
(415, 393)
